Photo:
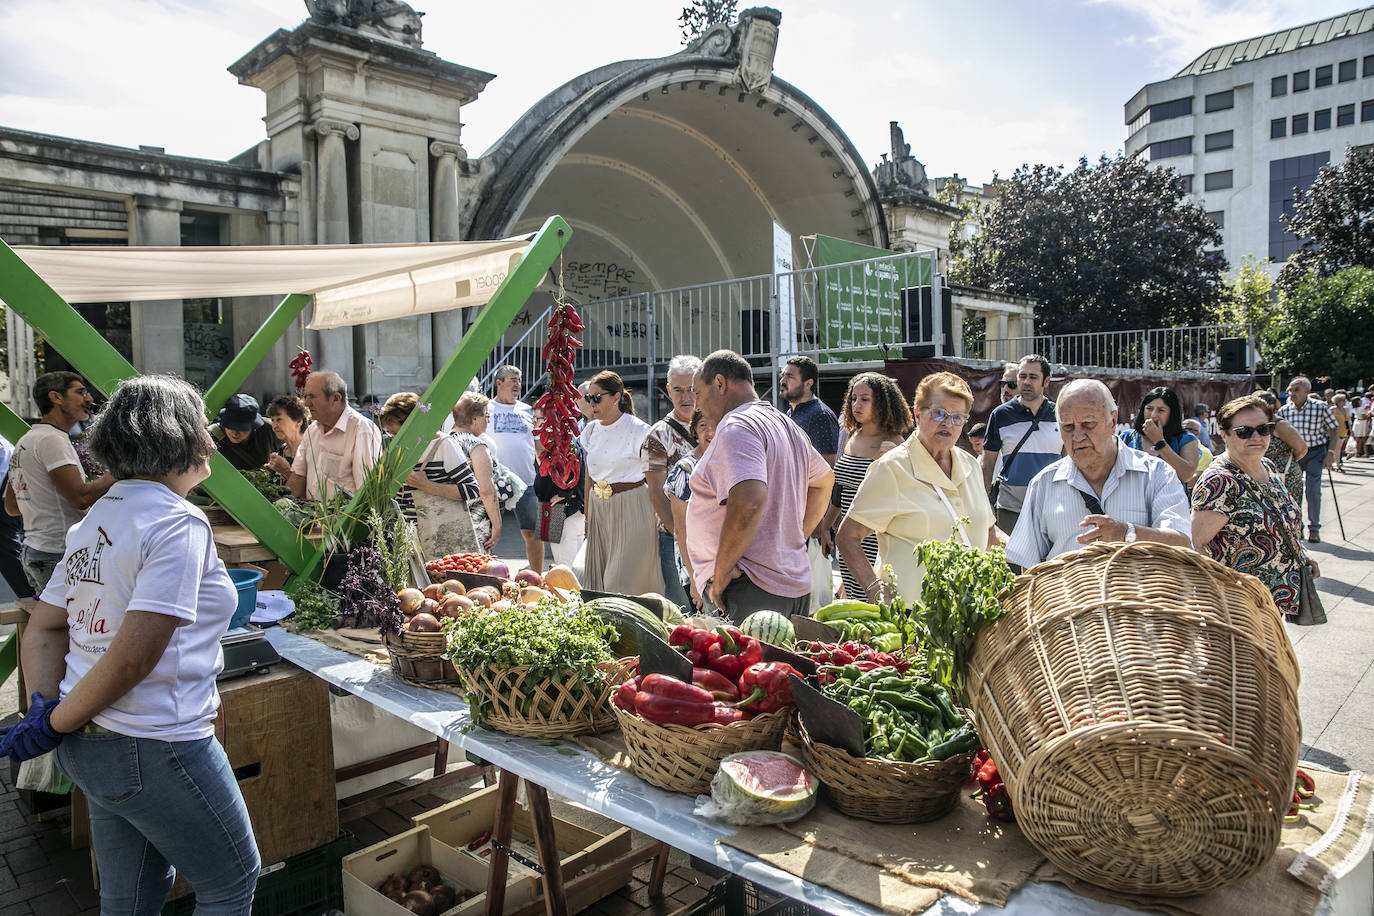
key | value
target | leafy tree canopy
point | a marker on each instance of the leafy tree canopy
(1109, 246)
(1248, 297)
(1335, 219)
(1321, 325)
(702, 14)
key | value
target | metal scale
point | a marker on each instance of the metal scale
(246, 651)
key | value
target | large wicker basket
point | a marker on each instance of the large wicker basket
(886, 791)
(681, 758)
(551, 708)
(1141, 704)
(418, 658)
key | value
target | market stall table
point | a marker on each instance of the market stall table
(582, 778)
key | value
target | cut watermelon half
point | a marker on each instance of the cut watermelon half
(763, 787)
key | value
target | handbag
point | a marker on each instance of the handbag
(551, 519)
(996, 487)
(1311, 611)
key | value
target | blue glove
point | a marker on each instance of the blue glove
(33, 736)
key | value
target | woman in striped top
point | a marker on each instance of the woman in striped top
(435, 495)
(876, 418)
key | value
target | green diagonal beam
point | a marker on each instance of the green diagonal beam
(231, 380)
(12, 426)
(461, 367)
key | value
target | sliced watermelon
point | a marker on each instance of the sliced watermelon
(763, 787)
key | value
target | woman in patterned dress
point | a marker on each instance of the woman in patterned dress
(1286, 449)
(436, 493)
(1243, 515)
(876, 418)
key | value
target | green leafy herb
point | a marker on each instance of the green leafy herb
(316, 606)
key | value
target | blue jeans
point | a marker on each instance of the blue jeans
(1313, 464)
(667, 563)
(159, 807)
(39, 566)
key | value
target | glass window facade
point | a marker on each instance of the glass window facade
(1220, 101)
(1300, 81)
(1345, 72)
(1166, 149)
(1278, 128)
(1286, 177)
(1224, 139)
(1278, 86)
(1299, 124)
(1345, 115)
(1216, 181)
(1321, 120)
(1367, 110)
(1164, 111)
(1323, 76)
(1218, 217)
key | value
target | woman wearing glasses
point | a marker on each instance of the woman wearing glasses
(917, 492)
(620, 518)
(1243, 515)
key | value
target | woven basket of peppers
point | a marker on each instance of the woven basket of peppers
(919, 747)
(677, 733)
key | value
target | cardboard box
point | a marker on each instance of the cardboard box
(364, 871)
(457, 824)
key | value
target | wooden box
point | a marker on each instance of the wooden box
(458, 823)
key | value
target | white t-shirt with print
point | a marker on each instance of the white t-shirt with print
(613, 451)
(47, 516)
(143, 548)
(512, 428)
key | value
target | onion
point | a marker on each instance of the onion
(532, 595)
(444, 897)
(423, 623)
(502, 605)
(419, 902)
(433, 590)
(529, 577)
(426, 873)
(482, 596)
(454, 587)
(393, 888)
(410, 599)
(495, 568)
(429, 606)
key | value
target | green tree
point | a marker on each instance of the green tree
(1335, 220)
(1111, 246)
(1249, 297)
(702, 14)
(1320, 327)
(975, 213)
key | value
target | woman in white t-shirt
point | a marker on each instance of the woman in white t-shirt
(127, 633)
(620, 518)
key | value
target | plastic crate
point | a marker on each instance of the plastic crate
(734, 896)
(303, 885)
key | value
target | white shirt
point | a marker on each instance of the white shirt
(143, 548)
(1141, 489)
(47, 516)
(512, 427)
(339, 457)
(613, 451)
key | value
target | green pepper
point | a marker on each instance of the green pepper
(963, 740)
(906, 701)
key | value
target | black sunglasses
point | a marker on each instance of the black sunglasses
(1245, 432)
(1006, 384)
(596, 398)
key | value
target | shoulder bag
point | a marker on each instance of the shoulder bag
(1311, 612)
(996, 487)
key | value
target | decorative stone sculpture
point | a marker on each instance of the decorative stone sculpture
(758, 44)
(389, 19)
(903, 175)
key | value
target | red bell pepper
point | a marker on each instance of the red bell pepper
(720, 686)
(733, 652)
(668, 701)
(997, 801)
(988, 775)
(728, 715)
(767, 686)
(693, 642)
(625, 694)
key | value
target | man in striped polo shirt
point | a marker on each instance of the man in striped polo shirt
(1024, 434)
(1314, 422)
(1101, 490)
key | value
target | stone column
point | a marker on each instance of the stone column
(444, 227)
(334, 349)
(159, 343)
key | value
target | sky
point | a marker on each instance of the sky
(978, 87)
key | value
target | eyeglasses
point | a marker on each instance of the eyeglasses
(595, 398)
(1245, 432)
(941, 416)
(1006, 384)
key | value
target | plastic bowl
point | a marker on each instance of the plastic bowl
(246, 581)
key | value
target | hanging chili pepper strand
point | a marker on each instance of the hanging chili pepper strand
(300, 368)
(559, 405)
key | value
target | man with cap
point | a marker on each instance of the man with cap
(242, 435)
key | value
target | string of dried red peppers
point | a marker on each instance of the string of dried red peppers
(300, 368)
(558, 462)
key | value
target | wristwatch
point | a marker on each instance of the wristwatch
(1130, 533)
(1159, 446)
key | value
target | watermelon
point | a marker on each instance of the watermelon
(763, 787)
(624, 614)
(770, 627)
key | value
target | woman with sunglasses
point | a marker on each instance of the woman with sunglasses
(1243, 515)
(620, 518)
(1158, 430)
(918, 492)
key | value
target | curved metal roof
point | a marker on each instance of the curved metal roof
(1223, 56)
(671, 169)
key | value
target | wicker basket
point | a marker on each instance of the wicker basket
(553, 709)
(886, 791)
(1141, 704)
(681, 758)
(417, 658)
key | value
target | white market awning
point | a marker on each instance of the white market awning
(352, 284)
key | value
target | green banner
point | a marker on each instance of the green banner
(861, 305)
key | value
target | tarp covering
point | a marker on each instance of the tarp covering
(352, 284)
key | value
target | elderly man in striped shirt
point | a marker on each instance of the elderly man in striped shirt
(1100, 491)
(1317, 426)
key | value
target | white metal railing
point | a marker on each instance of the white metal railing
(1186, 349)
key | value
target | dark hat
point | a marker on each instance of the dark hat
(240, 414)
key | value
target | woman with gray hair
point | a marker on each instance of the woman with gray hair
(123, 650)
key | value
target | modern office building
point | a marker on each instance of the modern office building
(1248, 122)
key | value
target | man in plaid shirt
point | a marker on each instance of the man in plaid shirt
(1314, 422)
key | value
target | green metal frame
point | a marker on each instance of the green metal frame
(82, 346)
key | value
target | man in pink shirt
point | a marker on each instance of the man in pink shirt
(755, 492)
